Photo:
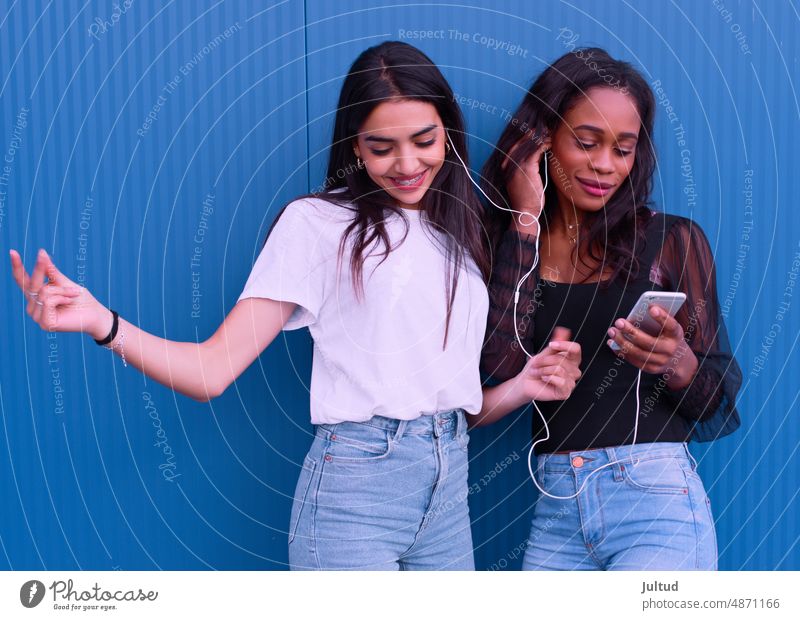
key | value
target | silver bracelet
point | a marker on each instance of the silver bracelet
(119, 343)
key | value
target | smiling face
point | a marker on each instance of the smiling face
(402, 143)
(594, 148)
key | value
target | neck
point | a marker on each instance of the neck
(414, 207)
(566, 219)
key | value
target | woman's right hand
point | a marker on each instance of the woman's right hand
(525, 188)
(59, 305)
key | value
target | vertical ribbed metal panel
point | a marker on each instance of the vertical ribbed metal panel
(83, 485)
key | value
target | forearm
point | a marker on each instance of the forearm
(498, 402)
(186, 367)
(701, 397)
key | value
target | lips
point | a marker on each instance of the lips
(410, 182)
(594, 187)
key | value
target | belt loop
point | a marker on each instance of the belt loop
(437, 421)
(401, 428)
(614, 456)
(690, 456)
(540, 465)
(461, 422)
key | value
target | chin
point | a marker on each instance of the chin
(592, 205)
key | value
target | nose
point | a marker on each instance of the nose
(407, 162)
(600, 161)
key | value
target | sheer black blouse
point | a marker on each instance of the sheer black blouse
(601, 410)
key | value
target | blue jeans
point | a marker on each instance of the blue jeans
(650, 515)
(384, 495)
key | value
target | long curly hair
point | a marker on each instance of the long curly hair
(614, 233)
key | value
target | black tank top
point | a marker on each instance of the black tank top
(601, 410)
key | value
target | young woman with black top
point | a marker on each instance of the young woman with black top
(620, 488)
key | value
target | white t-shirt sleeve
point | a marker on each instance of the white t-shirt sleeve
(292, 265)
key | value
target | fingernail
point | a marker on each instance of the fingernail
(611, 332)
(608, 342)
(620, 323)
(555, 345)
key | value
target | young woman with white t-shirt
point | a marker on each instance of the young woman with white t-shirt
(387, 268)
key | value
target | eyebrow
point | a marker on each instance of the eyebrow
(414, 135)
(592, 128)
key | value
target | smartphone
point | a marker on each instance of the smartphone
(640, 316)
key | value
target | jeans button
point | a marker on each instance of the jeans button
(577, 461)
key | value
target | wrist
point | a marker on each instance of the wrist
(529, 226)
(684, 369)
(529, 214)
(515, 396)
(102, 324)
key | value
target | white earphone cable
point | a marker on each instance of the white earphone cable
(522, 346)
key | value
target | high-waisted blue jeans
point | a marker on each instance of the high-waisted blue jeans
(384, 495)
(649, 512)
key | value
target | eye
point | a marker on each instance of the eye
(430, 142)
(380, 152)
(584, 145)
(624, 152)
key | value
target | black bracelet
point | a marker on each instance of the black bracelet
(113, 332)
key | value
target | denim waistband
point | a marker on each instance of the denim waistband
(429, 424)
(583, 460)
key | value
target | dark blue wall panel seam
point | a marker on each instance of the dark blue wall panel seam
(305, 68)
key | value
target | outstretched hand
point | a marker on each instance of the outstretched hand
(59, 304)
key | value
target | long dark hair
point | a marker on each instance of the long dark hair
(398, 71)
(618, 233)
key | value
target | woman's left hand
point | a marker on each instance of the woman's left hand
(665, 352)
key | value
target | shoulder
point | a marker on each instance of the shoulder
(317, 213)
(677, 227)
(689, 233)
(683, 242)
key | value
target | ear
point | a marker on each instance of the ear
(356, 149)
(547, 139)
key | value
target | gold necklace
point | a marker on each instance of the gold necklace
(573, 239)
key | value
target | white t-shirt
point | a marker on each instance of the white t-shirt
(381, 355)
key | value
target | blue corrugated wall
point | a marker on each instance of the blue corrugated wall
(148, 146)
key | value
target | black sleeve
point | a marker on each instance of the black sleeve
(502, 357)
(686, 264)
